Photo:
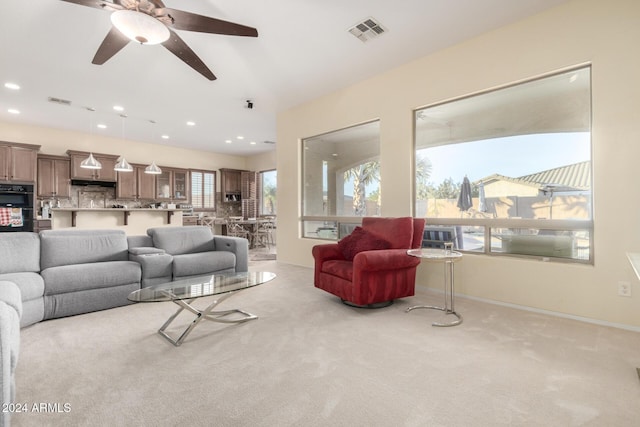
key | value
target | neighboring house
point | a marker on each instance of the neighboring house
(574, 178)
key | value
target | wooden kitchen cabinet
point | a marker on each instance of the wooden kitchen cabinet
(18, 162)
(54, 176)
(231, 184)
(173, 184)
(136, 185)
(107, 173)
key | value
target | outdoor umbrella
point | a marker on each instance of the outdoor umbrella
(464, 200)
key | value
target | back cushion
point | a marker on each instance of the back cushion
(19, 252)
(183, 240)
(397, 231)
(66, 247)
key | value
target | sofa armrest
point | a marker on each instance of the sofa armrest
(326, 252)
(156, 265)
(385, 259)
(239, 246)
(10, 312)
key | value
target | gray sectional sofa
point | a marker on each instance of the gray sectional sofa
(59, 273)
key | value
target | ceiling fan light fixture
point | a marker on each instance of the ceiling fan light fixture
(123, 166)
(153, 169)
(140, 27)
(91, 163)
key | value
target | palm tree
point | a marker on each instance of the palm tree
(362, 175)
(423, 173)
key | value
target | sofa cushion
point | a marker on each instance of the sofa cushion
(203, 263)
(31, 285)
(183, 240)
(397, 231)
(79, 277)
(66, 247)
(19, 252)
(361, 240)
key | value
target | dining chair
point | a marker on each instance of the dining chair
(264, 233)
(236, 229)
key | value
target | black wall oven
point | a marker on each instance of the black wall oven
(16, 207)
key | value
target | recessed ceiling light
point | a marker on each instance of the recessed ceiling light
(12, 86)
(102, 126)
(165, 137)
(252, 143)
(118, 108)
(240, 137)
(191, 123)
(13, 111)
(228, 141)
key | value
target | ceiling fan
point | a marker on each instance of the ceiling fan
(150, 22)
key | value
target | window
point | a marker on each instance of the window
(269, 184)
(511, 168)
(203, 189)
(341, 179)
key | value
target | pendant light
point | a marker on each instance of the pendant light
(153, 169)
(91, 163)
(123, 165)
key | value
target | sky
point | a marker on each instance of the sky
(510, 156)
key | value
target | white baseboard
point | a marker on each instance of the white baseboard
(542, 311)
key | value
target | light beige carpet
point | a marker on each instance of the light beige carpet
(311, 361)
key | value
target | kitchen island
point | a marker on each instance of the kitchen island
(133, 221)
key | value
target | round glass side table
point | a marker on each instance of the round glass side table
(448, 257)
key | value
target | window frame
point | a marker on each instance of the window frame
(215, 182)
(490, 224)
(336, 220)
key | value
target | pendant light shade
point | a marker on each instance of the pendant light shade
(153, 169)
(91, 163)
(123, 166)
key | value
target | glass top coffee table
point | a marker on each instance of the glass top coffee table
(184, 292)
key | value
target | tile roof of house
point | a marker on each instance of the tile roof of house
(576, 176)
(572, 177)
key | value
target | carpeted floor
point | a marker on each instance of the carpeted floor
(311, 361)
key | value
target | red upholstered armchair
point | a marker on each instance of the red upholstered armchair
(372, 278)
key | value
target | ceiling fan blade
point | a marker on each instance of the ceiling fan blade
(112, 44)
(98, 4)
(203, 24)
(180, 49)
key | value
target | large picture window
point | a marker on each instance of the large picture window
(341, 180)
(510, 169)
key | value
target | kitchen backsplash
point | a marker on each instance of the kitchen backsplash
(102, 197)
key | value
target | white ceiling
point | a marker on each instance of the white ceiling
(303, 51)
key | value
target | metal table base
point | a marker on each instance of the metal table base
(449, 307)
(207, 313)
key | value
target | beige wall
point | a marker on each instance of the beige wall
(262, 162)
(581, 31)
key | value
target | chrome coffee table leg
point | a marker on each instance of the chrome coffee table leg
(207, 313)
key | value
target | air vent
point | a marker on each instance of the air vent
(59, 101)
(367, 30)
(269, 142)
